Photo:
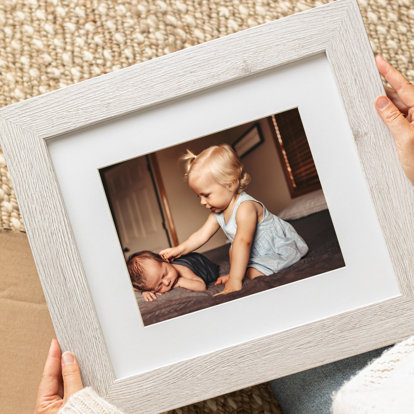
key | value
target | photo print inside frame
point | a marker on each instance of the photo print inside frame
(153, 208)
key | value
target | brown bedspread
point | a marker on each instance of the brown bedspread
(324, 255)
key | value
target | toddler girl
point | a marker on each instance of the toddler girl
(261, 243)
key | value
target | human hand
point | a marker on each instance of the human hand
(222, 280)
(397, 111)
(230, 286)
(170, 253)
(149, 296)
(61, 378)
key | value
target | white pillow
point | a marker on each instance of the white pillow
(304, 205)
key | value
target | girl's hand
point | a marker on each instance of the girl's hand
(222, 280)
(231, 286)
(171, 253)
(398, 113)
(61, 378)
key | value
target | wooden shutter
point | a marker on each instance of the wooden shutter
(295, 154)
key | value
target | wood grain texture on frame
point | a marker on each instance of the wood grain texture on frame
(335, 29)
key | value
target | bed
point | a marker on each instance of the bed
(311, 219)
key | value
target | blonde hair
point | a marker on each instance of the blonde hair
(222, 162)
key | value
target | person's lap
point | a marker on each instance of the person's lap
(310, 392)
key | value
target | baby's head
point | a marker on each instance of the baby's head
(149, 272)
(215, 175)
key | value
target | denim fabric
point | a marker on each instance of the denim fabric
(310, 392)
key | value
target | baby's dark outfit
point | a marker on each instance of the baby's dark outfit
(200, 265)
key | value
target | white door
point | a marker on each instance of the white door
(135, 208)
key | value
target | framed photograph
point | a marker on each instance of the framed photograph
(250, 140)
(153, 208)
(79, 158)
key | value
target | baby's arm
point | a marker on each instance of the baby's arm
(196, 240)
(246, 220)
(189, 280)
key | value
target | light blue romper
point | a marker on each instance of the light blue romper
(276, 245)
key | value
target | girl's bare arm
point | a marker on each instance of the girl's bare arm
(246, 219)
(196, 240)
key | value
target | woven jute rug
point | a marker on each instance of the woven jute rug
(48, 44)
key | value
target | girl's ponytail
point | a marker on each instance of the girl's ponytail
(188, 159)
(222, 162)
(244, 180)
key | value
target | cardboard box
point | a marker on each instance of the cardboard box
(25, 330)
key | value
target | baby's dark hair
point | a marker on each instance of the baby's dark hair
(136, 270)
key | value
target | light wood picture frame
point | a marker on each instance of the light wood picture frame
(95, 117)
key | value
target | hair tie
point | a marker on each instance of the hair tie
(190, 156)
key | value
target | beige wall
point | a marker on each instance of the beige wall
(188, 214)
(268, 181)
